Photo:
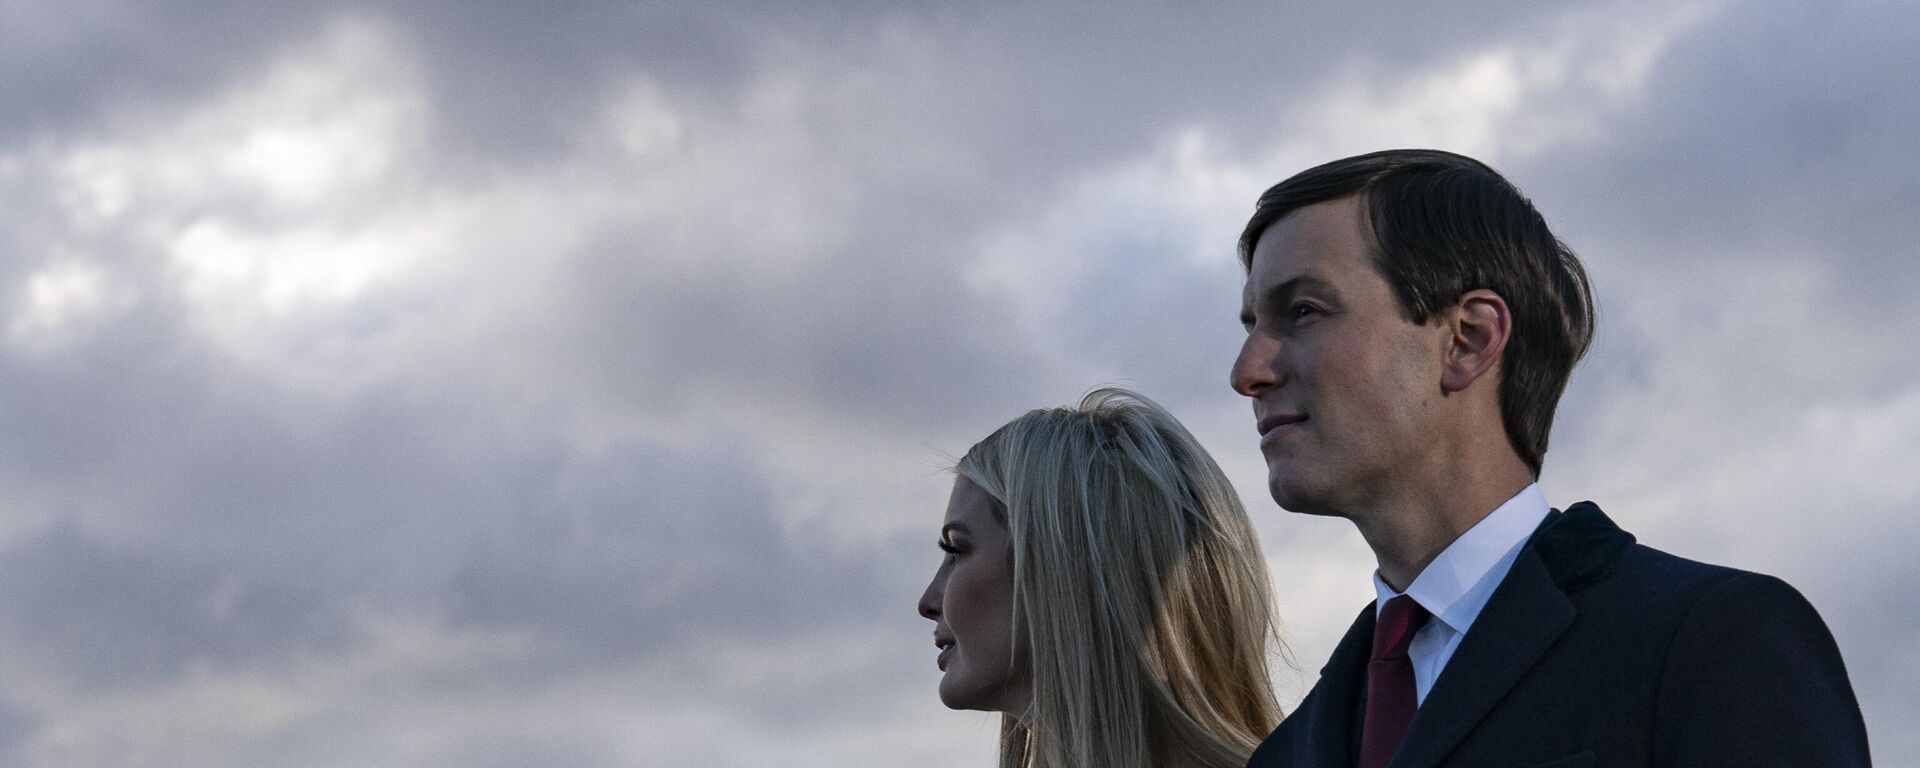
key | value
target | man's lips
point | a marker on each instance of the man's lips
(1271, 425)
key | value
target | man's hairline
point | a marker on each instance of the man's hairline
(1370, 236)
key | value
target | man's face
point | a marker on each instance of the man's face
(1345, 389)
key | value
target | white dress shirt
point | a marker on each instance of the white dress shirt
(1456, 585)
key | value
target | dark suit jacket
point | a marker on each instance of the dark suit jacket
(1596, 651)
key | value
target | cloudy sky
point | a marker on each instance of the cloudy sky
(504, 384)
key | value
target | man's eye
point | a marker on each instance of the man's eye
(1302, 311)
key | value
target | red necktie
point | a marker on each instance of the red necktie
(1391, 701)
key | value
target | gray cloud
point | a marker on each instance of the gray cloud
(405, 385)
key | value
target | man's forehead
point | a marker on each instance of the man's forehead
(1283, 264)
(1311, 233)
(1318, 251)
(1294, 266)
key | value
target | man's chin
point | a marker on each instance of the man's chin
(1292, 497)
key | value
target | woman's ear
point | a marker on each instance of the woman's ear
(1480, 325)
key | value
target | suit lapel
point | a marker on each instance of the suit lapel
(1523, 618)
(1329, 741)
(1526, 615)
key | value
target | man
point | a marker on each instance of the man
(1411, 324)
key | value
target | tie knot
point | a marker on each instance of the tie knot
(1399, 620)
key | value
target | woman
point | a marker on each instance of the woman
(1103, 589)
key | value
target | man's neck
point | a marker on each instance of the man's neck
(1406, 532)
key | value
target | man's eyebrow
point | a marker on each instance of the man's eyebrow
(1279, 294)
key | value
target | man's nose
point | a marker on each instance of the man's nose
(1257, 367)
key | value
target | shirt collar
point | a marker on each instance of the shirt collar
(1456, 585)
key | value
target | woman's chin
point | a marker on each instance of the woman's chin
(1003, 698)
(956, 694)
(953, 697)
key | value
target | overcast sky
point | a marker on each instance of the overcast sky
(504, 384)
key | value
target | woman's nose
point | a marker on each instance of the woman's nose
(930, 599)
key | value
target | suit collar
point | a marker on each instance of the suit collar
(1527, 613)
(1525, 616)
(1579, 546)
(1454, 587)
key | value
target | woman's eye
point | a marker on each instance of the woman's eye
(948, 547)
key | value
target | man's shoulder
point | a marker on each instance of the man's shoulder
(1640, 563)
(1722, 626)
(1653, 582)
(1633, 598)
(1586, 552)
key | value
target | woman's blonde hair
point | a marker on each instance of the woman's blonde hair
(1139, 584)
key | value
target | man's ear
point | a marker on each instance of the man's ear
(1480, 323)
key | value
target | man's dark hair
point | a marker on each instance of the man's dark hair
(1444, 224)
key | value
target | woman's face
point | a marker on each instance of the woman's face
(971, 604)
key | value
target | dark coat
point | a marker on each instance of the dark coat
(1597, 651)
